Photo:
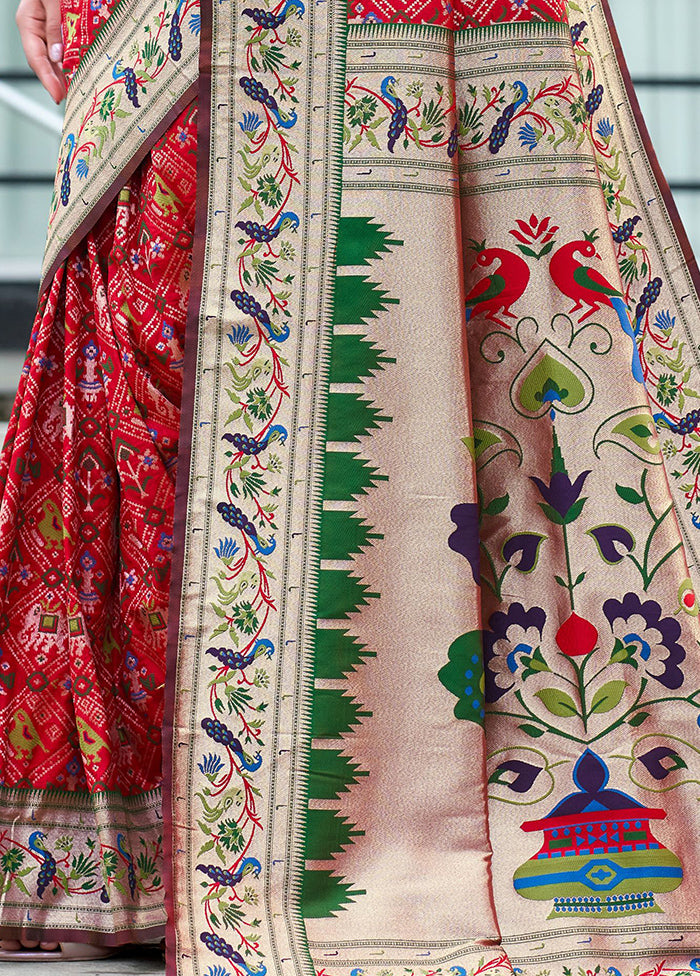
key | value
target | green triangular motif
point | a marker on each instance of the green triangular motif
(358, 299)
(327, 834)
(344, 535)
(331, 773)
(340, 594)
(348, 475)
(324, 894)
(353, 358)
(334, 714)
(350, 417)
(361, 240)
(337, 653)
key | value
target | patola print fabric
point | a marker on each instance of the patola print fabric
(417, 333)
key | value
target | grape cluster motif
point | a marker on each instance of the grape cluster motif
(131, 87)
(577, 30)
(650, 294)
(47, 872)
(453, 142)
(594, 100)
(237, 518)
(398, 123)
(65, 183)
(217, 731)
(688, 424)
(257, 91)
(175, 38)
(625, 230)
(500, 131)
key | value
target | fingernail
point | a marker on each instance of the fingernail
(56, 52)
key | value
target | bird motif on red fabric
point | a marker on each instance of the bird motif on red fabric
(499, 290)
(588, 287)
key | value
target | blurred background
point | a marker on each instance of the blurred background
(660, 39)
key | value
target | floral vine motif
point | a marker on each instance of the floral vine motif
(161, 43)
(398, 114)
(665, 363)
(55, 869)
(578, 674)
(257, 390)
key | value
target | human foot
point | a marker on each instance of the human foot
(29, 950)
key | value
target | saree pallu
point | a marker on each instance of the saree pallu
(431, 694)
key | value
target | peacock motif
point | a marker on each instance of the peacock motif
(269, 20)
(399, 115)
(499, 133)
(586, 286)
(65, 180)
(263, 234)
(47, 871)
(257, 91)
(130, 84)
(499, 290)
(130, 873)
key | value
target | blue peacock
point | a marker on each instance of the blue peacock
(47, 871)
(252, 446)
(65, 180)
(262, 234)
(257, 91)
(237, 518)
(499, 133)
(175, 35)
(130, 84)
(229, 879)
(271, 21)
(130, 873)
(244, 301)
(238, 660)
(399, 115)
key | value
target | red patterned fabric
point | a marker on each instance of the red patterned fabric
(457, 14)
(87, 476)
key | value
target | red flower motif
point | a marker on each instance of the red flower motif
(539, 233)
(576, 636)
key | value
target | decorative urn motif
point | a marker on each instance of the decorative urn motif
(599, 856)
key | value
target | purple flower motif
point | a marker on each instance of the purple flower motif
(517, 775)
(528, 545)
(563, 503)
(651, 640)
(465, 538)
(661, 761)
(512, 640)
(610, 539)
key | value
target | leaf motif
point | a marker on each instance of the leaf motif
(608, 697)
(629, 495)
(637, 719)
(497, 505)
(532, 730)
(557, 702)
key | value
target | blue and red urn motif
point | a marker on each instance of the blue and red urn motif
(599, 856)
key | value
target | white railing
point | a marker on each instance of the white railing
(32, 110)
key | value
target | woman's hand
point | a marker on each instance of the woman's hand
(39, 23)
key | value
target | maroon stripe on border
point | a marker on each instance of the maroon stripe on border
(117, 185)
(688, 253)
(111, 940)
(184, 454)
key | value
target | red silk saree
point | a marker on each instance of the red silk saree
(421, 348)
